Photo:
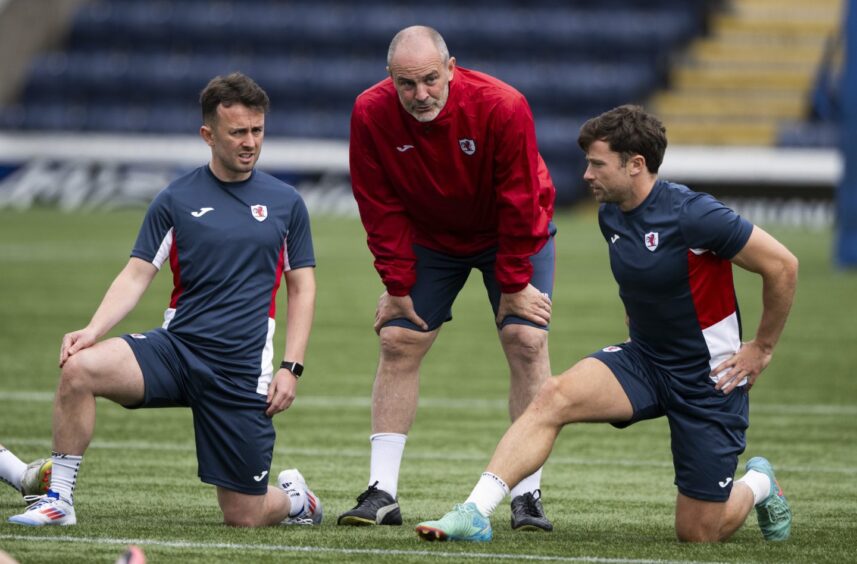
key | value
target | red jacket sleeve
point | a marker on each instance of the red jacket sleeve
(388, 230)
(524, 195)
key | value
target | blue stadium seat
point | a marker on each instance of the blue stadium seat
(135, 66)
(812, 134)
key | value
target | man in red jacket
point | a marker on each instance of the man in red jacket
(447, 177)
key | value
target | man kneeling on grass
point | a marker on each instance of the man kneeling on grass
(671, 251)
(228, 233)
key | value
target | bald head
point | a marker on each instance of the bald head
(418, 40)
(421, 70)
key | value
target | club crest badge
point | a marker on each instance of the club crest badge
(259, 212)
(467, 145)
(651, 240)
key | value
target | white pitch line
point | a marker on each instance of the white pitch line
(338, 402)
(323, 549)
(446, 456)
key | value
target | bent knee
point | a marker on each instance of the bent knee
(399, 342)
(560, 402)
(76, 372)
(550, 403)
(524, 340)
(697, 534)
(549, 390)
(698, 528)
(234, 519)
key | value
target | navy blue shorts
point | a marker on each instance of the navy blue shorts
(440, 277)
(234, 437)
(707, 427)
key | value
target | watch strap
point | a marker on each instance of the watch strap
(295, 368)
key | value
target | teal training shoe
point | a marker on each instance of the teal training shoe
(463, 523)
(774, 513)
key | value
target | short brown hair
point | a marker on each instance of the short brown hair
(235, 88)
(628, 130)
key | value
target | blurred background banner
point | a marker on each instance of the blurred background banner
(101, 95)
(110, 171)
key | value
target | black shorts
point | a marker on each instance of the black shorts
(234, 437)
(440, 277)
(707, 427)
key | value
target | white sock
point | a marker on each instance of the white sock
(759, 483)
(529, 484)
(297, 501)
(11, 468)
(64, 474)
(387, 451)
(490, 490)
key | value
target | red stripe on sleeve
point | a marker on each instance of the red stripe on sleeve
(272, 311)
(177, 278)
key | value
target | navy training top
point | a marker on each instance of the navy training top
(671, 258)
(228, 245)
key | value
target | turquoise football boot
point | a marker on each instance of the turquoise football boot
(774, 513)
(463, 523)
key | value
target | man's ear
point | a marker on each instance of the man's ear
(637, 164)
(207, 135)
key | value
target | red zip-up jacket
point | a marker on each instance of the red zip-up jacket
(469, 180)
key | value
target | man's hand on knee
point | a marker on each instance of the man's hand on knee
(76, 341)
(529, 304)
(396, 307)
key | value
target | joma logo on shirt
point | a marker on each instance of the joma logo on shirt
(201, 212)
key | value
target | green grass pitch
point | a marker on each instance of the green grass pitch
(609, 493)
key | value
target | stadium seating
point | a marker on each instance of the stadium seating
(137, 67)
(750, 80)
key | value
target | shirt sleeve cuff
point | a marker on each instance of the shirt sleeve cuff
(398, 290)
(512, 288)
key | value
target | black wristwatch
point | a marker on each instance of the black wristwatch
(295, 368)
